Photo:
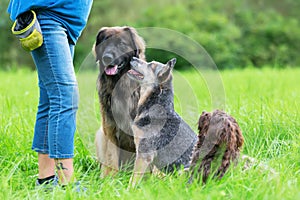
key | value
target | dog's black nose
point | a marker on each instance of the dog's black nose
(107, 59)
(134, 59)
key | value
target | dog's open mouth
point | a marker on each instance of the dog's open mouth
(113, 69)
(135, 74)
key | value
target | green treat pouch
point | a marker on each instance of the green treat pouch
(28, 30)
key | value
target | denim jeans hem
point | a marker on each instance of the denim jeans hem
(61, 156)
(42, 151)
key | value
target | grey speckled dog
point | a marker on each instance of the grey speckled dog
(162, 139)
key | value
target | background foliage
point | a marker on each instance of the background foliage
(236, 33)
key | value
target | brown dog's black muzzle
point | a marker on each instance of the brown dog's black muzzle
(107, 59)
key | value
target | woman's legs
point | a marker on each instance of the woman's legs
(65, 170)
(58, 103)
(46, 166)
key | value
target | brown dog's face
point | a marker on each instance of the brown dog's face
(115, 47)
(152, 72)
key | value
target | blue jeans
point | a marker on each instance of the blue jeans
(58, 102)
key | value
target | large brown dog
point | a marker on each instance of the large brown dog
(118, 95)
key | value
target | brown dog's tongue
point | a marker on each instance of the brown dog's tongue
(111, 70)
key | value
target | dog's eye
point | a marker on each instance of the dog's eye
(143, 121)
(122, 45)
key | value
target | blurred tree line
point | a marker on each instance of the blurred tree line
(236, 33)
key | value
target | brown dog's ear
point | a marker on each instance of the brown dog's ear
(137, 41)
(132, 34)
(99, 38)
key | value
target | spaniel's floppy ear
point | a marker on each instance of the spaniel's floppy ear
(203, 122)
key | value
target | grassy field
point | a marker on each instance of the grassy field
(264, 102)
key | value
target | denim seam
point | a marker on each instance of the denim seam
(58, 89)
(45, 136)
(60, 156)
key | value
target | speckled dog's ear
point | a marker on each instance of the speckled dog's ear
(165, 72)
(172, 62)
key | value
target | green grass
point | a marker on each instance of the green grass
(264, 102)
